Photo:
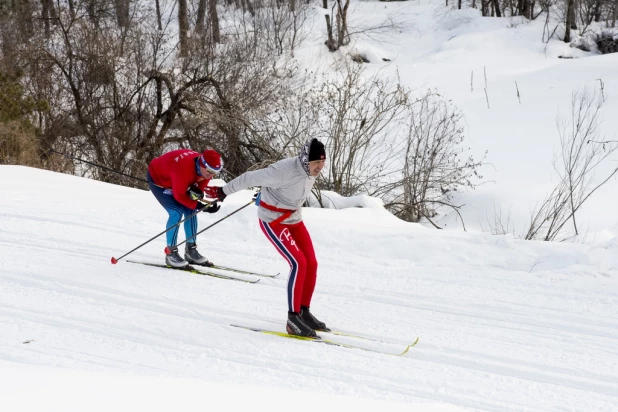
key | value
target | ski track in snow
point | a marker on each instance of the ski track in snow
(504, 325)
(491, 339)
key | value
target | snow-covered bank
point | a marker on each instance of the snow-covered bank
(505, 325)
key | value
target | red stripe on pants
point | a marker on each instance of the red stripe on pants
(294, 244)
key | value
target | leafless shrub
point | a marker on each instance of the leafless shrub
(607, 41)
(121, 91)
(499, 223)
(281, 24)
(579, 159)
(434, 165)
(355, 115)
(244, 85)
(18, 145)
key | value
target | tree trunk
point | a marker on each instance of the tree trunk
(72, 8)
(330, 42)
(214, 21)
(45, 16)
(92, 10)
(250, 7)
(615, 13)
(342, 23)
(569, 20)
(201, 17)
(158, 9)
(484, 8)
(597, 11)
(183, 27)
(25, 13)
(525, 11)
(122, 12)
(497, 7)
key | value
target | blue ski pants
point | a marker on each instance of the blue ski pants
(176, 212)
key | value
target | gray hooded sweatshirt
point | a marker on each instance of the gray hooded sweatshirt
(285, 185)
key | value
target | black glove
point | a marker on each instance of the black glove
(213, 208)
(195, 193)
(221, 194)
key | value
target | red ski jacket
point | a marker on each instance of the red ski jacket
(175, 170)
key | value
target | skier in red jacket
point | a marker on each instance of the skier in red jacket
(178, 179)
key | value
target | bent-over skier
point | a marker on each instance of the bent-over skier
(178, 180)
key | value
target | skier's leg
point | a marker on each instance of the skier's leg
(303, 241)
(175, 212)
(190, 225)
(279, 235)
(191, 253)
(171, 206)
(283, 241)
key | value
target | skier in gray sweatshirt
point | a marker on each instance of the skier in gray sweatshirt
(285, 186)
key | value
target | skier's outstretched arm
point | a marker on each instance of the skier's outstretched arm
(269, 177)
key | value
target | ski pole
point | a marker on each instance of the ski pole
(168, 250)
(114, 260)
(97, 165)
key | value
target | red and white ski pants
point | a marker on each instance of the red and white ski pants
(294, 244)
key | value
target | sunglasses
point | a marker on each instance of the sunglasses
(207, 167)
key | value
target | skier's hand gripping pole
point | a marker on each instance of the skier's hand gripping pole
(167, 249)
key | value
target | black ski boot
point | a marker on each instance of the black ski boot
(174, 260)
(296, 326)
(311, 320)
(193, 256)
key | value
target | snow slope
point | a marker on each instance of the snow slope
(505, 325)
(461, 54)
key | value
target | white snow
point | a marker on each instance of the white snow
(504, 324)
(444, 49)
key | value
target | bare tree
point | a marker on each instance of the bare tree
(341, 24)
(433, 163)
(280, 25)
(579, 159)
(497, 8)
(353, 114)
(122, 12)
(570, 22)
(48, 13)
(249, 6)
(183, 27)
(158, 14)
(119, 96)
(343, 36)
(526, 10)
(330, 41)
(214, 21)
(201, 16)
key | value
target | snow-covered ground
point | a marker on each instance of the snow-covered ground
(505, 324)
